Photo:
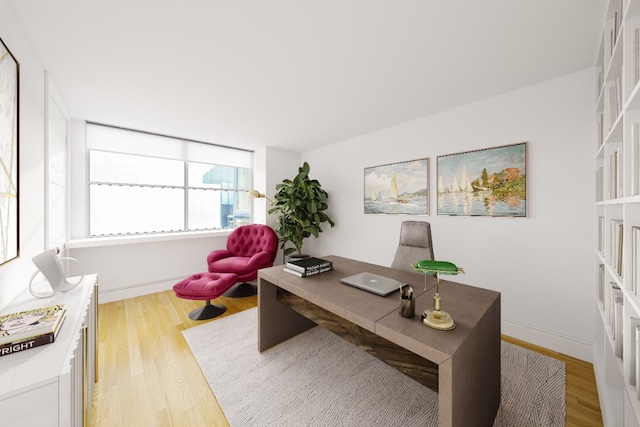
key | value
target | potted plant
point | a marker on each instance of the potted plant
(301, 203)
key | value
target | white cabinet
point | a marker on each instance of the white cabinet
(52, 385)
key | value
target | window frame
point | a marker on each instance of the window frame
(239, 192)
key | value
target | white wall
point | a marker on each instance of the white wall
(15, 275)
(543, 264)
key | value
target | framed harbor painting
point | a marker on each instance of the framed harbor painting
(487, 182)
(8, 155)
(397, 188)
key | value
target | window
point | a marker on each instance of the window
(145, 183)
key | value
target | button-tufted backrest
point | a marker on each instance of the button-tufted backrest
(248, 240)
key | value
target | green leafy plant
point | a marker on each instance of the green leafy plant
(301, 203)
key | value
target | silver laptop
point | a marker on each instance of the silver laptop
(379, 285)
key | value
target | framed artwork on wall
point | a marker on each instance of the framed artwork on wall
(488, 182)
(397, 188)
(9, 88)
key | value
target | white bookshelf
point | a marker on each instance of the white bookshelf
(617, 199)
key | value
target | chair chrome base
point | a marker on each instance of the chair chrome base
(209, 311)
(241, 290)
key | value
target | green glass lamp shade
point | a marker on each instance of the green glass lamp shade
(437, 267)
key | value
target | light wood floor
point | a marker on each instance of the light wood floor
(148, 376)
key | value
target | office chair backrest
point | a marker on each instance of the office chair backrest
(415, 245)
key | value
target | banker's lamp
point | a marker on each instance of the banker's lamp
(436, 318)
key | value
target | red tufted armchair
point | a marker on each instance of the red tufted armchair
(249, 248)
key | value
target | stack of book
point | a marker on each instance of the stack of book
(30, 329)
(308, 266)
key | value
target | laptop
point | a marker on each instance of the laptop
(374, 283)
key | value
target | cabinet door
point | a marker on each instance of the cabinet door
(74, 392)
(37, 407)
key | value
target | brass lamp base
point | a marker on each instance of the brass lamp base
(437, 319)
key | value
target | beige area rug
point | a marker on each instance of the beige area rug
(318, 379)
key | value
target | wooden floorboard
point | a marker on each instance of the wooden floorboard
(149, 377)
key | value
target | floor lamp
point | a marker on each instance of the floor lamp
(255, 194)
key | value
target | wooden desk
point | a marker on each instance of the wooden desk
(467, 358)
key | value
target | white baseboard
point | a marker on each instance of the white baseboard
(117, 294)
(548, 339)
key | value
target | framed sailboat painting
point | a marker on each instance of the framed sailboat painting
(397, 188)
(487, 182)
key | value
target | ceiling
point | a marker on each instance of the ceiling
(298, 74)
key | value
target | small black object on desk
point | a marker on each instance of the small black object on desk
(407, 302)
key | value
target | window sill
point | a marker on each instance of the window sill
(94, 242)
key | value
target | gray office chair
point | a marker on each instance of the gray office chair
(415, 245)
